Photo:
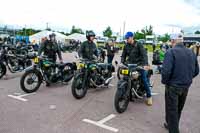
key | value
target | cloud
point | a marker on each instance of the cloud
(98, 14)
(194, 3)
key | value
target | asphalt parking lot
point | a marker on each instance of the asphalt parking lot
(55, 110)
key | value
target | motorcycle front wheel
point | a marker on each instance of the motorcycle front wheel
(2, 70)
(79, 89)
(122, 97)
(30, 81)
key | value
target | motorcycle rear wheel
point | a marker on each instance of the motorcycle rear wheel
(2, 70)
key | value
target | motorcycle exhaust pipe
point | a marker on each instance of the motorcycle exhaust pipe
(98, 86)
(109, 80)
(102, 85)
(136, 94)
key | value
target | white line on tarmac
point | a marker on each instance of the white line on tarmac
(106, 119)
(100, 123)
(18, 98)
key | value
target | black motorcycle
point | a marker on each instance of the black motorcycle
(91, 74)
(44, 69)
(130, 86)
(14, 62)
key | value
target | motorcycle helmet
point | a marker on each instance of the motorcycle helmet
(90, 34)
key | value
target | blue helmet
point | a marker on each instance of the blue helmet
(129, 34)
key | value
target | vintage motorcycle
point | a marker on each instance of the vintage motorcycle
(14, 62)
(44, 69)
(91, 74)
(130, 86)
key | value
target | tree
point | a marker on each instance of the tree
(76, 30)
(27, 32)
(197, 32)
(108, 32)
(139, 35)
(164, 38)
(147, 30)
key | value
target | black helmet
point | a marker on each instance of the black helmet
(52, 35)
(89, 34)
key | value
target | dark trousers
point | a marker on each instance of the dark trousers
(174, 102)
(110, 59)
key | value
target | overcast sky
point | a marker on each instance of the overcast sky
(164, 15)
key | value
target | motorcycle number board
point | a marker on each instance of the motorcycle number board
(36, 60)
(124, 71)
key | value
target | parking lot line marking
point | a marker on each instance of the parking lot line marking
(18, 98)
(101, 123)
(106, 119)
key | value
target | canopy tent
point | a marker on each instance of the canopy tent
(38, 36)
(77, 37)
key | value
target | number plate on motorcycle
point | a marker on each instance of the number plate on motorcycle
(124, 71)
(80, 65)
(36, 60)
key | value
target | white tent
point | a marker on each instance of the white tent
(38, 36)
(77, 37)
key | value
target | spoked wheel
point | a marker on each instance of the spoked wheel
(78, 89)
(2, 70)
(30, 81)
(122, 98)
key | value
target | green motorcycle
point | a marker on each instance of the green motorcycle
(91, 74)
(46, 70)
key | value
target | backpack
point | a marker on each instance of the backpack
(156, 58)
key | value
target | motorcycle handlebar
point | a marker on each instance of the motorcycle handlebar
(126, 66)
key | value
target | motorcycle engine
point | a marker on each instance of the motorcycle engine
(14, 64)
(28, 62)
(51, 74)
(97, 78)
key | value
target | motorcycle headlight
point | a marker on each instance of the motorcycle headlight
(135, 75)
